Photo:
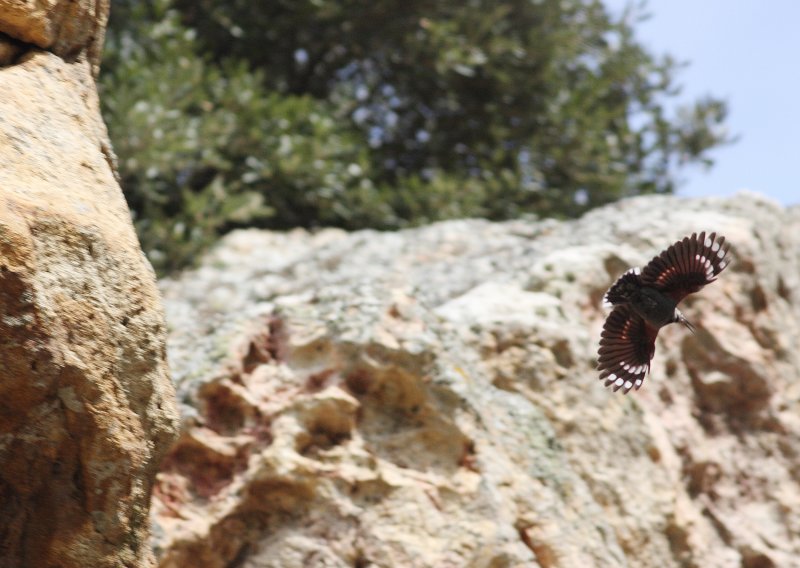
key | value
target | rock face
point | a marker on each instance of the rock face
(70, 29)
(429, 398)
(87, 407)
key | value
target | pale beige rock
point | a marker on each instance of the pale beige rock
(429, 398)
(86, 404)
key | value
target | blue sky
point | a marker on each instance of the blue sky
(747, 52)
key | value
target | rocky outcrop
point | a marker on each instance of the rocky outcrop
(70, 29)
(86, 404)
(428, 398)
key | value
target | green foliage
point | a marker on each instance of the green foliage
(384, 113)
(203, 147)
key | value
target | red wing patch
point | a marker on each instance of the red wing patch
(627, 345)
(687, 265)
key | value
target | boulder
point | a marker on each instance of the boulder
(428, 397)
(87, 407)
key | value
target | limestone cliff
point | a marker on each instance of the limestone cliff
(428, 398)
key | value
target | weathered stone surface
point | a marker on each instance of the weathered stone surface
(67, 28)
(428, 398)
(86, 404)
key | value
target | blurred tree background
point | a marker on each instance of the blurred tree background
(385, 114)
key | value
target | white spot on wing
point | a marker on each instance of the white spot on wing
(707, 242)
(721, 253)
(715, 247)
(628, 384)
(619, 382)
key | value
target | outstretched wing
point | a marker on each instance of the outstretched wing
(627, 345)
(687, 266)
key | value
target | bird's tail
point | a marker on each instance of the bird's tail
(622, 290)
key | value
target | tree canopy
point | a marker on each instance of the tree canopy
(385, 114)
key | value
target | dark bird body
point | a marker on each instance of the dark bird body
(646, 300)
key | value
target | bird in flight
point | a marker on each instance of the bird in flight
(646, 300)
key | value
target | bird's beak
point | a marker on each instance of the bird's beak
(685, 322)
